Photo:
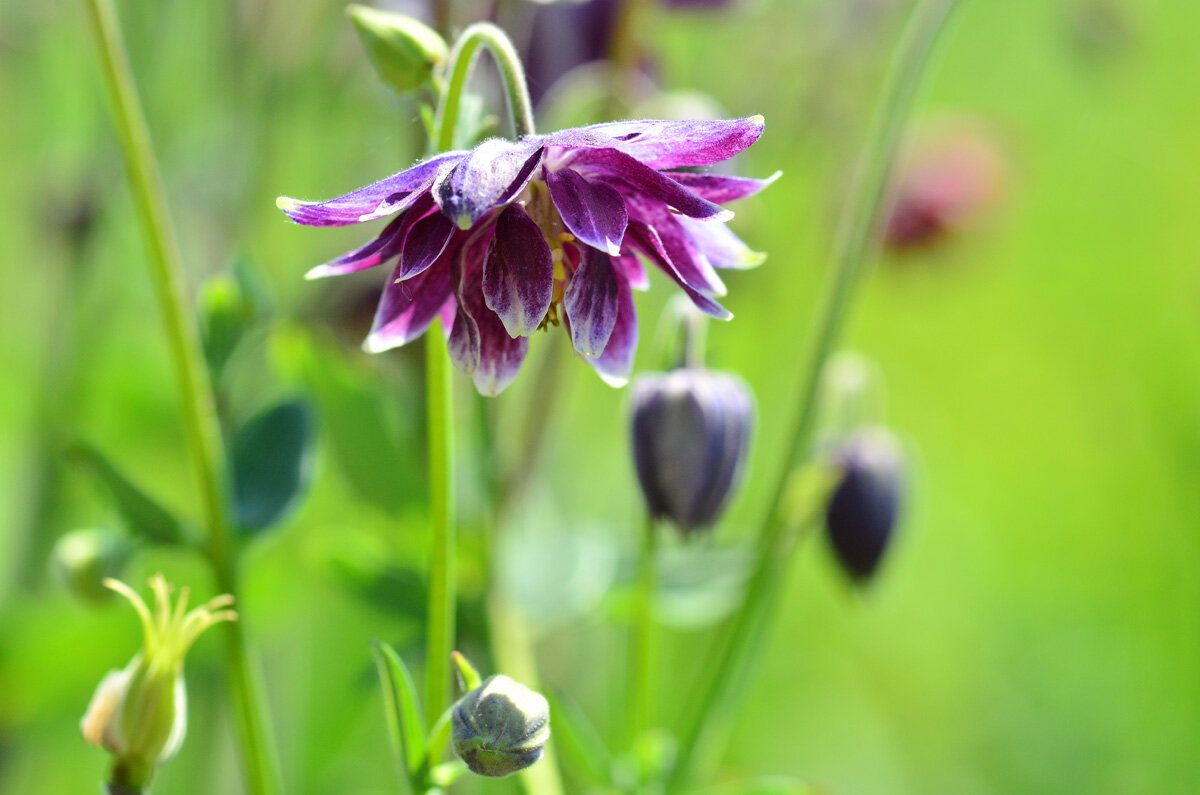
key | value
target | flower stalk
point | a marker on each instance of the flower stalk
(200, 422)
(512, 73)
(708, 723)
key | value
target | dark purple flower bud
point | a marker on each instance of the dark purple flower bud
(862, 511)
(691, 432)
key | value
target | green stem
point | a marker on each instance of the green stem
(709, 723)
(440, 438)
(200, 423)
(640, 673)
(462, 58)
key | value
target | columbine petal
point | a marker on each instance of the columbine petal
(667, 144)
(479, 344)
(591, 302)
(492, 174)
(689, 262)
(646, 241)
(720, 246)
(518, 274)
(595, 213)
(720, 189)
(381, 249)
(640, 179)
(635, 272)
(377, 200)
(424, 242)
(616, 362)
(408, 307)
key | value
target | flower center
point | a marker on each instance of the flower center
(540, 207)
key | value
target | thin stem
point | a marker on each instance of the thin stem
(440, 438)
(200, 423)
(709, 722)
(512, 73)
(640, 674)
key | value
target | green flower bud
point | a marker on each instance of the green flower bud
(403, 51)
(84, 558)
(139, 714)
(500, 727)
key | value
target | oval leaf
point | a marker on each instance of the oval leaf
(271, 465)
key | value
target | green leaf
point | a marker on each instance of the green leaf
(271, 464)
(144, 516)
(404, 52)
(579, 739)
(470, 677)
(402, 710)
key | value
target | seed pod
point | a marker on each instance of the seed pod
(500, 727)
(691, 433)
(863, 508)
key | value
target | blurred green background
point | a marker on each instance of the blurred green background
(1035, 628)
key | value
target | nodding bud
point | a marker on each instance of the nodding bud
(403, 51)
(691, 433)
(139, 714)
(84, 558)
(864, 505)
(500, 727)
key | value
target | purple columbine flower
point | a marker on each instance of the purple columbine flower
(512, 237)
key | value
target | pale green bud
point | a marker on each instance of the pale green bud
(139, 714)
(403, 51)
(500, 727)
(84, 558)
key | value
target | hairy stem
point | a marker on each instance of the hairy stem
(512, 73)
(200, 423)
(709, 723)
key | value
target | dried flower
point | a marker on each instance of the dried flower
(512, 237)
(691, 433)
(863, 508)
(139, 714)
(500, 727)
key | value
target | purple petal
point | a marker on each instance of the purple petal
(518, 274)
(721, 247)
(408, 307)
(381, 249)
(644, 180)
(591, 302)
(689, 262)
(424, 242)
(616, 362)
(635, 272)
(595, 213)
(377, 200)
(492, 174)
(720, 189)
(647, 241)
(478, 342)
(667, 144)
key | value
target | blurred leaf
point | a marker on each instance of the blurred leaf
(579, 739)
(447, 773)
(698, 585)
(404, 52)
(466, 672)
(271, 464)
(649, 761)
(145, 517)
(85, 557)
(359, 421)
(402, 709)
(766, 785)
(225, 314)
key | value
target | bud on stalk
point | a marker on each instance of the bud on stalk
(691, 433)
(862, 511)
(500, 727)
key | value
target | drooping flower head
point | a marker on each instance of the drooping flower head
(516, 236)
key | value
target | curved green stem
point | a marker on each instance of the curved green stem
(200, 423)
(439, 627)
(708, 724)
(640, 671)
(462, 58)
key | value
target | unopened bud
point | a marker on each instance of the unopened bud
(403, 51)
(84, 558)
(500, 727)
(863, 508)
(691, 433)
(139, 714)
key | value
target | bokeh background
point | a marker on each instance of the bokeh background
(1035, 628)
